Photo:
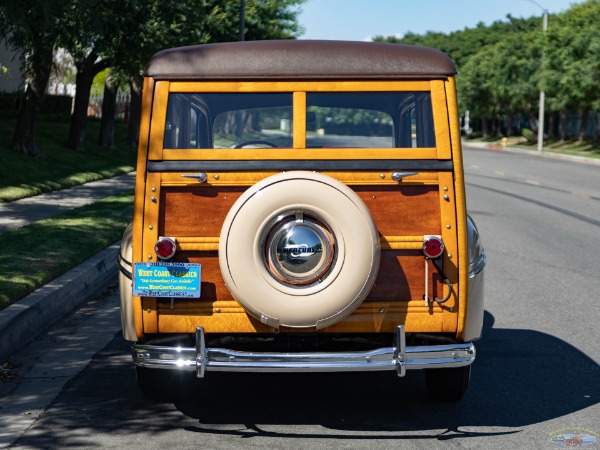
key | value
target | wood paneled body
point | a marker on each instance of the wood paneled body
(196, 211)
(429, 200)
(194, 215)
(397, 211)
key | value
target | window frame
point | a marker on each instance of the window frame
(157, 152)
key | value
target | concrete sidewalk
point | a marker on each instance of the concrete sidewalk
(23, 212)
(23, 321)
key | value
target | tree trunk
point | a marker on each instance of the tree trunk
(564, 132)
(25, 130)
(597, 133)
(510, 126)
(106, 137)
(552, 126)
(585, 114)
(87, 69)
(494, 127)
(135, 109)
(484, 126)
(533, 125)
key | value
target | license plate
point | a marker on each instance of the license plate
(164, 279)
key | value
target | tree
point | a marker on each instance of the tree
(34, 26)
(161, 24)
(514, 62)
(475, 87)
(571, 75)
(92, 34)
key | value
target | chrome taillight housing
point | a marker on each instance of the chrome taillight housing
(433, 247)
(165, 248)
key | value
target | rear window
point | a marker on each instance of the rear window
(369, 119)
(333, 119)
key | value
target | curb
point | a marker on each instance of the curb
(23, 321)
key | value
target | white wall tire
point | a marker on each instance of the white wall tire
(298, 284)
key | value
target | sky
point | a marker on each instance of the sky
(360, 20)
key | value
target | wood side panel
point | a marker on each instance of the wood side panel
(411, 210)
(401, 277)
(212, 286)
(196, 211)
(230, 317)
(199, 211)
(402, 210)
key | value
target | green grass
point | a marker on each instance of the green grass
(23, 176)
(572, 147)
(568, 147)
(37, 253)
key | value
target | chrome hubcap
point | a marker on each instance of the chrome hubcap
(299, 250)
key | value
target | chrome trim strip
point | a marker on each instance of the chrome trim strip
(399, 358)
(476, 266)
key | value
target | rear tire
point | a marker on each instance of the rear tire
(162, 385)
(448, 385)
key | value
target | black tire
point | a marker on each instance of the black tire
(161, 385)
(448, 385)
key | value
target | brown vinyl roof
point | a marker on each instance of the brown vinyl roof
(299, 59)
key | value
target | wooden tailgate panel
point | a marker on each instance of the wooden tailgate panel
(196, 214)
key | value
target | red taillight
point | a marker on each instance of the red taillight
(165, 248)
(433, 247)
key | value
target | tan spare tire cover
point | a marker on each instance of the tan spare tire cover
(299, 249)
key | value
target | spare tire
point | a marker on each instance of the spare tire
(299, 249)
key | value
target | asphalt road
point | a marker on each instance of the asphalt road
(537, 373)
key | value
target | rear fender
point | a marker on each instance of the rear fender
(125, 286)
(475, 307)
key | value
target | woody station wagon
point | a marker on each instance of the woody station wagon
(300, 207)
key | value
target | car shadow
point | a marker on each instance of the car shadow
(520, 377)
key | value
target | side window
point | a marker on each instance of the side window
(415, 121)
(244, 120)
(370, 119)
(187, 122)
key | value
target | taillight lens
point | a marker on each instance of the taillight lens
(165, 248)
(433, 247)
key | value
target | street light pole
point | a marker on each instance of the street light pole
(540, 145)
(542, 98)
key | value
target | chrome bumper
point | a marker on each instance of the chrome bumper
(399, 358)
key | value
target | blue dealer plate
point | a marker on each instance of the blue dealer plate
(164, 279)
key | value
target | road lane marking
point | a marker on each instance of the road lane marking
(497, 172)
(580, 195)
(534, 182)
